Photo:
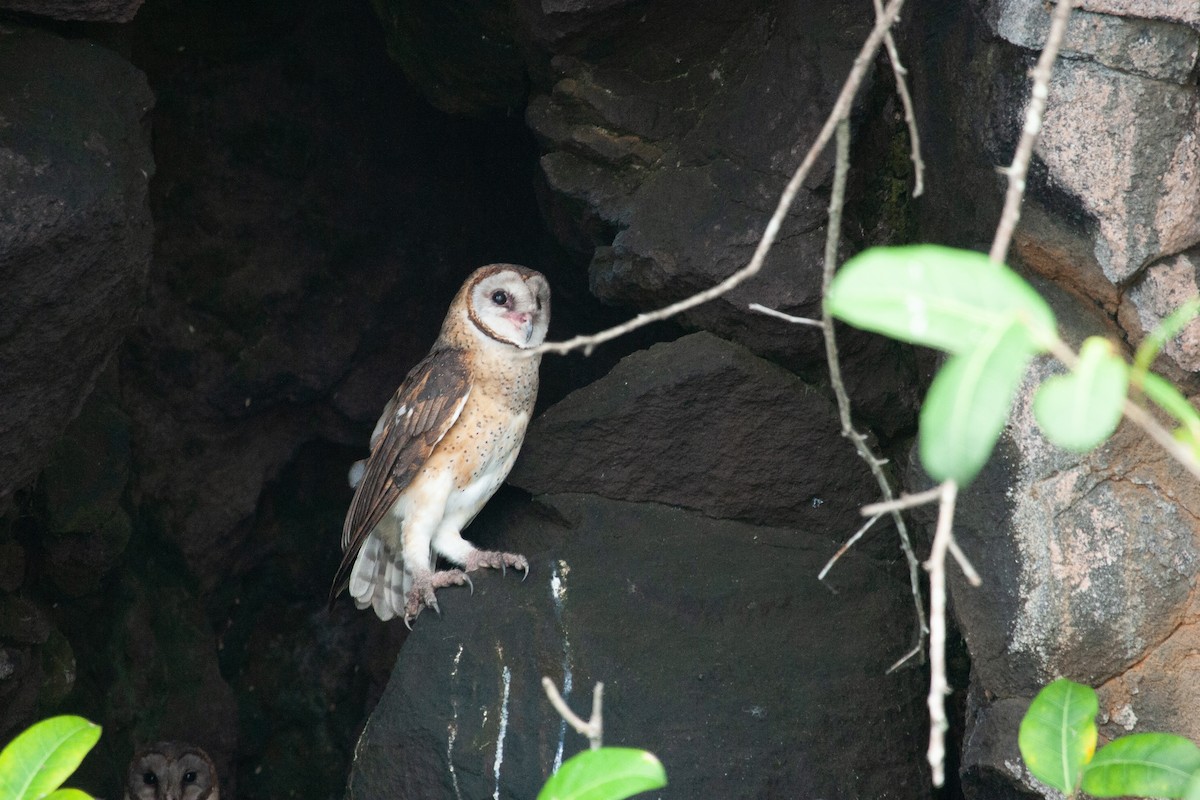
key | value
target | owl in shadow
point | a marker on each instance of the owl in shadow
(171, 771)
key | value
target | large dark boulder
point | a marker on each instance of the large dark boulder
(75, 231)
(704, 424)
(719, 650)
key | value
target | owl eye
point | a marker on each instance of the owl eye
(189, 777)
(500, 297)
(149, 778)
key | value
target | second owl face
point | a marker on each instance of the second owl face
(170, 771)
(510, 304)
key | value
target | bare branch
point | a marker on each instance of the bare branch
(1175, 448)
(593, 729)
(840, 111)
(903, 502)
(770, 312)
(910, 118)
(1029, 134)
(938, 685)
(964, 563)
(875, 464)
(849, 543)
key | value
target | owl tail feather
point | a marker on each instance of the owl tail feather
(378, 581)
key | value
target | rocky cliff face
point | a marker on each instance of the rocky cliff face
(1091, 559)
(227, 230)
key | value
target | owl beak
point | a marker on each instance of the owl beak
(522, 321)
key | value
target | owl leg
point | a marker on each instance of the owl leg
(450, 544)
(417, 556)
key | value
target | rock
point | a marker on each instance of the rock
(1162, 288)
(88, 10)
(1126, 148)
(12, 565)
(719, 651)
(37, 664)
(681, 147)
(751, 441)
(1161, 50)
(1184, 11)
(75, 231)
(87, 527)
(463, 57)
(1088, 564)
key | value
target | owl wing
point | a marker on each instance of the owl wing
(424, 408)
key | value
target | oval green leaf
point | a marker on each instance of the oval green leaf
(1143, 764)
(1058, 733)
(37, 762)
(968, 404)
(935, 296)
(1081, 409)
(610, 773)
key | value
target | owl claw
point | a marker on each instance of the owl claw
(421, 595)
(479, 559)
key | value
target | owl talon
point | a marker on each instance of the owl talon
(479, 559)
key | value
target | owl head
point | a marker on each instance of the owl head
(171, 771)
(507, 303)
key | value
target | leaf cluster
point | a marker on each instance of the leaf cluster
(1058, 742)
(992, 324)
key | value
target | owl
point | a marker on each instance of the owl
(445, 442)
(171, 771)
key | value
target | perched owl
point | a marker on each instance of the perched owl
(171, 771)
(446, 441)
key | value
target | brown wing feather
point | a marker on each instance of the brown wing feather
(432, 396)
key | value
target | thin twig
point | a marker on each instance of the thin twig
(770, 312)
(910, 118)
(840, 111)
(849, 543)
(939, 687)
(593, 729)
(1175, 448)
(903, 501)
(1029, 133)
(875, 464)
(964, 563)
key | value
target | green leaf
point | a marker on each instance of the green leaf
(1192, 792)
(935, 296)
(610, 773)
(968, 404)
(1058, 733)
(1080, 410)
(41, 758)
(1143, 764)
(1169, 399)
(69, 794)
(1167, 330)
